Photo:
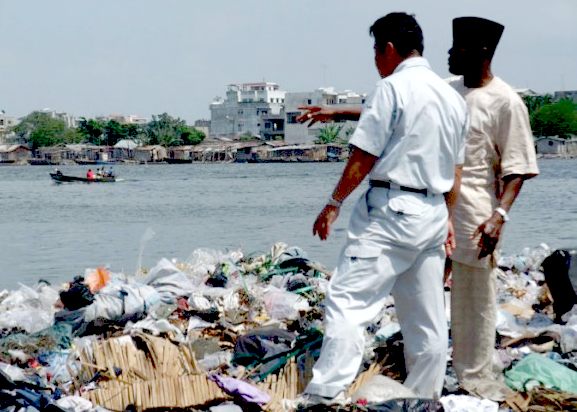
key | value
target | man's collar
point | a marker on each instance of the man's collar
(412, 62)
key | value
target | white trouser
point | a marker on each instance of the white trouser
(473, 317)
(395, 244)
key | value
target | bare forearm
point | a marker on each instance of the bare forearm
(347, 113)
(511, 187)
(452, 196)
(360, 163)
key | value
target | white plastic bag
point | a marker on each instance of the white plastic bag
(281, 304)
(381, 388)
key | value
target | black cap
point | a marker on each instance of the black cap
(477, 32)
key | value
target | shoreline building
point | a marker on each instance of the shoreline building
(68, 119)
(249, 109)
(297, 133)
(124, 119)
(566, 94)
(6, 124)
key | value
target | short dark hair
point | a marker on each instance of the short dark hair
(401, 29)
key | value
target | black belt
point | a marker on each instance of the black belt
(387, 185)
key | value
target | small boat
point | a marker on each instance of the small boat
(59, 177)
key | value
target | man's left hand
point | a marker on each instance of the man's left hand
(489, 233)
(325, 219)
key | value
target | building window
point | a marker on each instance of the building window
(309, 101)
(291, 117)
(550, 143)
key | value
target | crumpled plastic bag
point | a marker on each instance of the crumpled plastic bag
(169, 281)
(281, 304)
(154, 326)
(29, 309)
(380, 388)
(245, 390)
(464, 403)
(119, 300)
(75, 404)
(96, 279)
(537, 370)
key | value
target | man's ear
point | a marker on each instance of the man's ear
(390, 48)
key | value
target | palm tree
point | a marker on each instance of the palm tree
(329, 134)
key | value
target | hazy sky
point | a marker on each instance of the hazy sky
(145, 57)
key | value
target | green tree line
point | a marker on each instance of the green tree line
(552, 118)
(39, 129)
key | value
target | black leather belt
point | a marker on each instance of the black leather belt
(387, 185)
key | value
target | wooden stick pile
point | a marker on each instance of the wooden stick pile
(147, 372)
(151, 372)
(284, 385)
(179, 392)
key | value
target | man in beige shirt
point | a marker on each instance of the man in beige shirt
(499, 157)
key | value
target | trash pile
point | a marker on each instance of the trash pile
(225, 331)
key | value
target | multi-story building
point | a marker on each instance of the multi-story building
(6, 123)
(68, 119)
(246, 110)
(297, 133)
(124, 119)
(202, 125)
(566, 94)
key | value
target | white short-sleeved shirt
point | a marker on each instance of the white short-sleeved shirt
(500, 143)
(416, 124)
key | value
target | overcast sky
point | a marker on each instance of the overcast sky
(144, 57)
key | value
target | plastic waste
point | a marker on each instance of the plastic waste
(30, 309)
(283, 305)
(240, 388)
(214, 360)
(169, 281)
(154, 326)
(75, 404)
(464, 403)
(14, 372)
(381, 388)
(225, 407)
(117, 301)
(78, 294)
(96, 279)
(537, 370)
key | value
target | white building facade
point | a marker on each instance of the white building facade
(555, 146)
(245, 109)
(6, 124)
(298, 133)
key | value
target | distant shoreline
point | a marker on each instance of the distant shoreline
(165, 162)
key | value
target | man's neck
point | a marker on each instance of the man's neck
(481, 78)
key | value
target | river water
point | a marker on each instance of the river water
(55, 231)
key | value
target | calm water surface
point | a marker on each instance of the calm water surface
(55, 231)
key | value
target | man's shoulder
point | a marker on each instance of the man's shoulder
(505, 92)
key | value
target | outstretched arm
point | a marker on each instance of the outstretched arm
(360, 163)
(325, 114)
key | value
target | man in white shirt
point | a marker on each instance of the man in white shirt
(500, 156)
(410, 141)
